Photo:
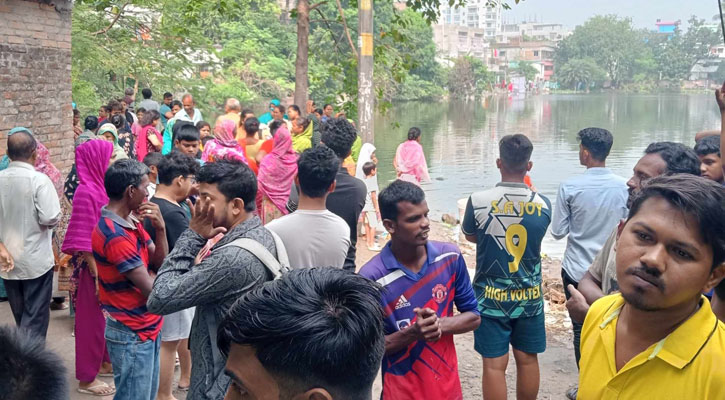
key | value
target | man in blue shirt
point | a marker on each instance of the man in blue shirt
(588, 207)
(165, 108)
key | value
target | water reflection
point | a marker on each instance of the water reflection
(461, 138)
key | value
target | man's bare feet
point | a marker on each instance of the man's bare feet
(96, 388)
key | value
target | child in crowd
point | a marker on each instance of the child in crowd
(152, 161)
(204, 133)
(371, 208)
(708, 151)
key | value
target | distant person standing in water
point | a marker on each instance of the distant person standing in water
(410, 161)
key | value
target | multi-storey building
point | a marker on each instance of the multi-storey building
(475, 14)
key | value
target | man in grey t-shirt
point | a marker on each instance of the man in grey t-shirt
(147, 103)
(313, 235)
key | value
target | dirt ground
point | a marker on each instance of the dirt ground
(557, 366)
(558, 370)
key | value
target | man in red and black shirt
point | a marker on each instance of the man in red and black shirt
(124, 255)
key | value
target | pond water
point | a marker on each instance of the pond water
(461, 138)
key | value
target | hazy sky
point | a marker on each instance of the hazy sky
(644, 13)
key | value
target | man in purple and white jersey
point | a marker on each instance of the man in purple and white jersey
(423, 280)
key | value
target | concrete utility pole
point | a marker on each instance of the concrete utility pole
(365, 99)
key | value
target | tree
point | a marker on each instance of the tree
(580, 72)
(468, 77)
(303, 34)
(609, 41)
(525, 69)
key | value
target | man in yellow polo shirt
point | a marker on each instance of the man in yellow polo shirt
(659, 339)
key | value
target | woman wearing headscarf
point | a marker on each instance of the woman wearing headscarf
(225, 145)
(302, 129)
(149, 140)
(410, 161)
(277, 171)
(124, 138)
(266, 118)
(92, 160)
(108, 132)
(367, 153)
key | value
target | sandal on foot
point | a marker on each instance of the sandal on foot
(102, 389)
(106, 374)
(182, 388)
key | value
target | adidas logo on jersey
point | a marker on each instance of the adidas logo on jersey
(402, 302)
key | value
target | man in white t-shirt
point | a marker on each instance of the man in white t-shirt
(313, 235)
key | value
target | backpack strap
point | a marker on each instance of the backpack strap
(277, 266)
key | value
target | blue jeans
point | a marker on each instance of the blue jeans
(135, 362)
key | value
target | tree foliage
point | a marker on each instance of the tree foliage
(468, 77)
(580, 73)
(248, 49)
(629, 55)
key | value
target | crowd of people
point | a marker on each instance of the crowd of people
(233, 249)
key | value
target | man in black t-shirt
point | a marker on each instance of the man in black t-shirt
(176, 176)
(348, 199)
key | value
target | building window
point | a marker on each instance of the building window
(536, 53)
(502, 53)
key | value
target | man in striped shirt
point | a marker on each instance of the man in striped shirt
(124, 255)
(423, 280)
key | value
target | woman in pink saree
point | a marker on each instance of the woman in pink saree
(277, 171)
(92, 160)
(224, 145)
(410, 161)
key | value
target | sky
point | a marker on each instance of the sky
(644, 13)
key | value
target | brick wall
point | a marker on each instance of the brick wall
(35, 81)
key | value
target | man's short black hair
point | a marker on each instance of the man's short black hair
(369, 167)
(679, 159)
(168, 95)
(21, 145)
(280, 108)
(251, 126)
(316, 170)
(188, 133)
(122, 174)
(515, 152)
(413, 133)
(152, 159)
(318, 111)
(115, 105)
(314, 327)
(397, 192)
(295, 107)
(597, 141)
(246, 112)
(708, 145)
(177, 103)
(201, 124)
(701, 198)
(326, 105)
(29, 370)
(176, 164)
(339, 135)
(146, 93)
(233, 178)
(91, 123)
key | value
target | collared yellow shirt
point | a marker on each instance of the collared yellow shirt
(688, 364)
